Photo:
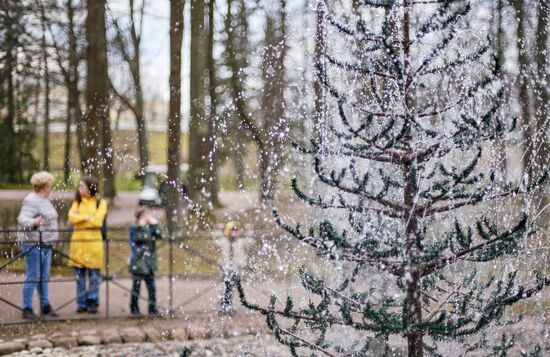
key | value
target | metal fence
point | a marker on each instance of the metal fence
(115, 270)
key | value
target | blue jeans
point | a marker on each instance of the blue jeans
(87, 297)
(37, 273)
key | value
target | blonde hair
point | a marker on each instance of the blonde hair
(41, 179)
(229, 227)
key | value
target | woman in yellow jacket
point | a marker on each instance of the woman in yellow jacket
(87, 214)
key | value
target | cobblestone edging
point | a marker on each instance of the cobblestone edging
(249, 346)
(63, 341)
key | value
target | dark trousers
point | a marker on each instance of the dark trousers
(229, 282)
(136, 285)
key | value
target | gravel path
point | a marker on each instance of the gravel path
(250, 346)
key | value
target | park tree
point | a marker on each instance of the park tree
(213, 118)
(128, 43)
(68, 44)
(47, 85)
(201, 139)
(237, 39)
(412, 109)
(98, 128)
(173, 204)
(264, 126)
(18, 56)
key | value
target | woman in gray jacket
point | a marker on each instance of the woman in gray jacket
(37, 217)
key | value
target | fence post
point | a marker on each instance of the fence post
(107, 276)
(40, 282)
(171, 274)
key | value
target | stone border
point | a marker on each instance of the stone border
(41, 342)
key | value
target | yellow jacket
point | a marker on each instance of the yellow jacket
(86, 250)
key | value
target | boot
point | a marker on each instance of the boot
(153, 311)
(29, 315)
(92, 306)
(47, 310)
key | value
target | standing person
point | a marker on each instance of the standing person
(37, 217)
(87, 214)
(143, 261)
(234, 258)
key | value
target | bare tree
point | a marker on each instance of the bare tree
(98, 129)
(17, 84)
(201, 143)
(319, 95)
(265, 131)
(213, 114)
(69, 55)
(523, 78)
(45, 57)
(129, 46)
(500, 156)
(173, 205)
(541, 120)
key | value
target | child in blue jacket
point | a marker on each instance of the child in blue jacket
(143, 261)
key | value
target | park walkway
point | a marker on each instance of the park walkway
(190, 296)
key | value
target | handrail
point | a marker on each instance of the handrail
(107, 276)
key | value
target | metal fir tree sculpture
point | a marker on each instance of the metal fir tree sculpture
(413, 104)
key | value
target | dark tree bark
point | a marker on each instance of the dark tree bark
(96, 93)
(173, 205)
(98, 129)
(240, 38)
(410, 192)
(46, 137)
(273, 103)
(523, 85)
(319, 55)
(13, 174)
(541, 149)
(500, 144)
(213, 115)
(200, 140)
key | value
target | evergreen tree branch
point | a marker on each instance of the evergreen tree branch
(388, 203)
(346, 66)
(431, 267)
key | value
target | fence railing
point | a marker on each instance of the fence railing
(116, 241)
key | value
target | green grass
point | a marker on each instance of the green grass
(125, 146)
(185, 257)
(126, 161)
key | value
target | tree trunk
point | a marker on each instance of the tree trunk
(212, 85)
(108, 158)
(500, 143)
(173, 205)
(320, 108)
(523, 61)
(410, 192)
(273, 103)
(67, 146)
(541, 152)
(143, 142)
(240, 47)
(96, 93)
(199, 126)
(11, 165)
(136, 74)
(46, 143)
(71, 77)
